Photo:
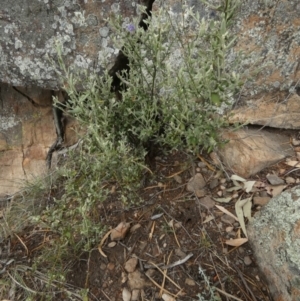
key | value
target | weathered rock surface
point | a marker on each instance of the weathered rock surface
(27, 131)
(275, 237)
(268, 32)
(269, 110)
(250, 150)
(29, 31)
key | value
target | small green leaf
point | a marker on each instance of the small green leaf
(215, 98)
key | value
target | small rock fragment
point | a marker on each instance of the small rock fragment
(167, 297)
(178, 179)
(130, 265)
(201, 164)
(241, 250)
(229, 229)
(150, 272)
(214, 183)
(123, 277)
(110, 266)
(120, 231)
(220, 193)
(275, 180)
(196, 183)
(126, 294)
(200, 193)
(223, 181)
(136, 280)
(290, 180)
(102, 266)
(227, 219)
(261, 201)
(190, 282)
(112, 244)
(247, 260)
(207, 201)
(180, 253)
(295, 142)
(134, 227)
(135, 296)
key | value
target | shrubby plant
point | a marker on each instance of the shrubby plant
(179, 80)
(178, 85)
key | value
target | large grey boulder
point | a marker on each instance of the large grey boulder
(267, 31)
(275, 237)
(30, 31)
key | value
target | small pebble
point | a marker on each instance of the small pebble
(201, 164)
(219, 193)
(110, 266)
(261, 201)
(130, 265)
(235, 195)
(190, 282)
(227, 219)
(241, 250)
(213, 184)
(247, 260)
(112, 244)
(275, 180)
(229, 229)
(290, 180)
(223, 181)
(178, 179)
(225, 250)
(222, 187)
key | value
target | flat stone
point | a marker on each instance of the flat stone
(207, 202)
(227, 219)
(261, 201)
(267, 112)
(275, 180)
(214, 183)
(249, 151)
(290, 180)
(130, 265)
(196, 183)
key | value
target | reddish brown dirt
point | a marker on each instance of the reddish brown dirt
(168, 225)
(157, 241)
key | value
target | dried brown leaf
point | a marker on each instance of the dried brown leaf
(236, 242)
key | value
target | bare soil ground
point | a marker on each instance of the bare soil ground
(174, 247)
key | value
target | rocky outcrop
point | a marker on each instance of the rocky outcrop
(275, 237)
(30, 32)
(27, 132)
(267, 32)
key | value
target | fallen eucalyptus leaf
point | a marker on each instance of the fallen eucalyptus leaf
(223, 200)
(208, 219)
(293, 163)
(239, 210)
(236, 242)
(248, 185)
(237, 178)
(234, 188)
(226, 212)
